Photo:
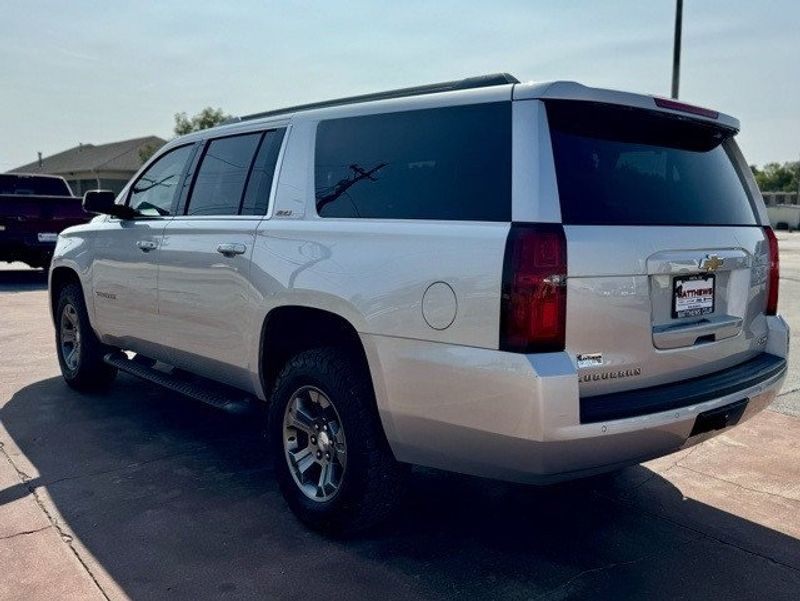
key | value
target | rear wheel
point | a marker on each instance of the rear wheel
(331, 458)
(80, 353)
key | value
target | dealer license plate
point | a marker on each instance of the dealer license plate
(692, 295)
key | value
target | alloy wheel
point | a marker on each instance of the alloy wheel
(314, 444)
(70, 336)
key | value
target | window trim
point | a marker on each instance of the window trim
(250, 171)
(273, 189)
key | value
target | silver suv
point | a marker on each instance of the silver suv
(532, 282)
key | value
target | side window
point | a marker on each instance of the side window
(222, 175)
(447, 163)
(256, 197)
(153, 193)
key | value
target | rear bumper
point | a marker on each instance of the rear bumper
(694, 391)
(516, 417)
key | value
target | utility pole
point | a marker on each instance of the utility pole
(676, 49)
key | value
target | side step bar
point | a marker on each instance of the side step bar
(212, 393)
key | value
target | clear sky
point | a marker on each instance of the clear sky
(95, 72)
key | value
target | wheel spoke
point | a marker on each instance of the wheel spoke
(70, 358)
(68, 336)
(325, 479)
(303, 459)
(299, 420)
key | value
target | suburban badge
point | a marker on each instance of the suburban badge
(612, 375)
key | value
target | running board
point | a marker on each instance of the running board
(207, 391)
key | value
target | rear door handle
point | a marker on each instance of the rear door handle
(146, 245)
(231, 249)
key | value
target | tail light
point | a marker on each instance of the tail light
(774, 272)
(534, 294)
(674, 105)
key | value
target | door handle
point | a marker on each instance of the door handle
(146, 245)
(231, 249)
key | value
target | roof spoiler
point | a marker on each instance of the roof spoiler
(469, 83)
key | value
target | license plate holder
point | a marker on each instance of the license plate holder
(693, 295)
(719, 418)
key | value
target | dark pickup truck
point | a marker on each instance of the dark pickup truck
(33, 210)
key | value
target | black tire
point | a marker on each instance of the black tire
(86, 371)
(373, 481)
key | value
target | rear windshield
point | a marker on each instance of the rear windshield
(622, 166)
(39, 186)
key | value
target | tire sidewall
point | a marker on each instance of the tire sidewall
(333, 514)
(91, 374)
(67, 297)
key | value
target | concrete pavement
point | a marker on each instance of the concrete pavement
(142, 494)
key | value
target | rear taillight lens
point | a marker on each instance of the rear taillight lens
(774, 272)
(674, 105)
(534, 295)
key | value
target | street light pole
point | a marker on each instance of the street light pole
(676, 49)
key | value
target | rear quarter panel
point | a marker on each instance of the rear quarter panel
(375, 274)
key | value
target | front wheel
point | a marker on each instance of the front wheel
(331, 458)
(80, 353)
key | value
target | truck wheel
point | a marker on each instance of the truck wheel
(80, 353)
(332, 461)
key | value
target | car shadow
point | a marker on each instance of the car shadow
(22, 280)
(174, 499)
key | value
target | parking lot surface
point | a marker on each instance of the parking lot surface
(143, 494)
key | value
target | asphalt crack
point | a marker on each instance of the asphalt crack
(25, 532)
(127, 466)
(792, 391)
(605, 568)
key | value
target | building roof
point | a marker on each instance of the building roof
(116, 156)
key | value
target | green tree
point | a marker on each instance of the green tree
(208, 117)
(146, 151)
(777, 177)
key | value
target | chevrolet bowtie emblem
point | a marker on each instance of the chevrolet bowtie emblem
(711, 263)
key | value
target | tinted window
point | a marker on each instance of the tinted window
(256, 197)
(154, 191)
(221, 177)
(31, 184)
(447, 163)
(624, 166)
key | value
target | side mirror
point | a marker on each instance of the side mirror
(101, 202)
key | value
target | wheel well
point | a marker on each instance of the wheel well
(60, 277)
(290, 330)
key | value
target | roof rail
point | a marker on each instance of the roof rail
(480, 81)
